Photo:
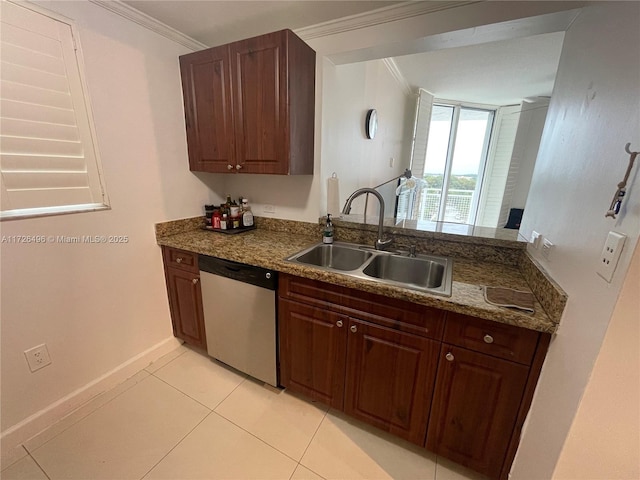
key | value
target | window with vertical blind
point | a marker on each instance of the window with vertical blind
(48, 152)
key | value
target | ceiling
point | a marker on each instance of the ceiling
(218, 22)
(497, 73)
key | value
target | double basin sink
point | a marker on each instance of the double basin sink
(425, 273)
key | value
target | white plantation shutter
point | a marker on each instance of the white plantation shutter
(424, 105)
(48, 156)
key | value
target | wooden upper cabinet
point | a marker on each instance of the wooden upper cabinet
(250, 106)
(206, 82)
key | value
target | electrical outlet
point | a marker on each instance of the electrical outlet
(547, 247)
(37, 357)
(535, 239)
(610, 255)
(269, 209)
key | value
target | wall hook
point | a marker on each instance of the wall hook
(616, 203)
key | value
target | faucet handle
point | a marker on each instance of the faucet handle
(383, 244)
(412, 250)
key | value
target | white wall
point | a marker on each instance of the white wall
(604, 440)
(98, 306)
(350, 91)
(594, 112)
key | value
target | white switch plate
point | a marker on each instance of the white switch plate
(37, 357)
(610, 255)
(547, 247)
(535, 239)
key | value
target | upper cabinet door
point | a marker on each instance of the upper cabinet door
(260, 103)
(250, 106)
(206, 83)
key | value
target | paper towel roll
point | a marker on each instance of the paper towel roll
(333, 195)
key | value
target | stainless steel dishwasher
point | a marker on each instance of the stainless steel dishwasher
(239, 303)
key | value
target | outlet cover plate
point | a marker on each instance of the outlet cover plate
(547, 248)
(37, 357)
(535, 239)
(608, 260)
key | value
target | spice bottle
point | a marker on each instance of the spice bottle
(216, 218)
(247, 214)
(224, 223)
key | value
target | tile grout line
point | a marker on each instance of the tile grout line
(195, 400)
(309, 444)
(255, 436)
(39, 466)
(178, 443)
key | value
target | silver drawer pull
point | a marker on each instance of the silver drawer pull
(488, 338)
(179, 260)
(339, 323)
(229, 167)
(449, 356)
(238, 167)
(267, 275)
(195, 280)
(353, 328)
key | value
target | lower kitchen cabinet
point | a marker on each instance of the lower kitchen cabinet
(373, 373)
(460, 386)
(475, 405)
(185, 296)
(312, 351)
(389, 379)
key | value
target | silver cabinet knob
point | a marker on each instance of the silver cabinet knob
(488, 338)
(179, 260)
(353, 328)
(238, 167)
(449, 356)
(267, 275)
(195, 280)
(229, 167)
(339, 323)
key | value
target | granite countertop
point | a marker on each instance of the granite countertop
(269, 249)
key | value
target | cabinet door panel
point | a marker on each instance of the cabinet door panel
(390, 377)
(185, 299)
(312, 351)
(206, 83)
(260, 103)
(475, 406)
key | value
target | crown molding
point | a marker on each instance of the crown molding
(136, 16)
(395, 72)
(376, 17)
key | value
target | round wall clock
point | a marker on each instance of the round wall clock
(371, 123)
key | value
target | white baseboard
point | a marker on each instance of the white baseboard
(12, 438)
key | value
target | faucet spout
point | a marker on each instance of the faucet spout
(380, 244)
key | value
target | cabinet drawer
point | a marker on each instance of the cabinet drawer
(387, 312)
(493, 338)
(182, 259)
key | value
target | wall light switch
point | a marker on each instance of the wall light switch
(547, 247)
(610, 255)
(535, 239)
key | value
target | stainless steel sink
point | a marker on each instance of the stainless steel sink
(334, 256)
(410, 270)
(425, 273)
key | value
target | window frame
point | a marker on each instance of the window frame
(94, 164)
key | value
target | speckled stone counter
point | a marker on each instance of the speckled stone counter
(270, 244)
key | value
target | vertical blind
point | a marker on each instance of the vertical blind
(48, 157)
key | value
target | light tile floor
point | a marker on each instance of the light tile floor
(189, 417)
